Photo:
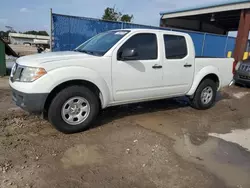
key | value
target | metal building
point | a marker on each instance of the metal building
(18, 38)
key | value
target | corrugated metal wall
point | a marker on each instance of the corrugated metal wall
(69, 32)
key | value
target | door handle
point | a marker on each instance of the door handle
(157, 66)
(187, 65)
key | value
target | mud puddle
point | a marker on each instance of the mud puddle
(228, 161)
(224, 155)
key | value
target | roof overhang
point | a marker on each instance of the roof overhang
(206, 10)
(217, 19)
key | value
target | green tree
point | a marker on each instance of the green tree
(3, 34)
(43, 33)
(30, 32)
(37, 33)
(126, 18)
(6, 33)
(112, 14)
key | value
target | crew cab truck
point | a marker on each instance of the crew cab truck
(114, 68)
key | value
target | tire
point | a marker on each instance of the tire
(200, 103)
(60, 112)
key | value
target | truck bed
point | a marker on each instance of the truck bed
(224, 66)
(205, 57)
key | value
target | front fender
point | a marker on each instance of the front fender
(202, 74)
(61, 75)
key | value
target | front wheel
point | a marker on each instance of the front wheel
(73, 109)
(205, 95)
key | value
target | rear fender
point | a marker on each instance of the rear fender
(202, 74)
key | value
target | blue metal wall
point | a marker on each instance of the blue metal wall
(69, 32)
(214, 45)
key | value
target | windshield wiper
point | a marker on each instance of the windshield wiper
(88, 52)
(85, 51)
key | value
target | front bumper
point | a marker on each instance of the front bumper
(31, 102)
(241, 79)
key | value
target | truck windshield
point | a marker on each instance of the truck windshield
(101, 43)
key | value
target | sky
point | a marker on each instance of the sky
(25, 15)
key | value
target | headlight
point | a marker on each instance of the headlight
(237, 65)
(27, 74)
(30, 74)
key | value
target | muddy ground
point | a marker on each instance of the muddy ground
(156, 144)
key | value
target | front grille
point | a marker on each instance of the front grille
(244, 77)
(245, 67)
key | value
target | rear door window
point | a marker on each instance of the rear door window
(175, 46)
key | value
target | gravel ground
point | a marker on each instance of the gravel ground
(156, 144)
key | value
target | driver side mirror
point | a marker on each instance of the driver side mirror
(129, 54)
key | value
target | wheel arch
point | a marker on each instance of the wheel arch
(206, 73)
(69, 83)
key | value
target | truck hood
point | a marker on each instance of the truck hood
(38, 59)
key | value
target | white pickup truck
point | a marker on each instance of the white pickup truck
(113, 68)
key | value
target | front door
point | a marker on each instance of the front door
(140, 78)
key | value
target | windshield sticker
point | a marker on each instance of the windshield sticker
(121, 33)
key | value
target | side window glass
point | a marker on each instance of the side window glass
(175, 46)
(144, 43)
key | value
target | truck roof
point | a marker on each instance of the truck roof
(152, 30)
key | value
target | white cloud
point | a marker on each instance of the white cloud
(24, 10)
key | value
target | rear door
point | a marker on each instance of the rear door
(178, 64)
(140, 78)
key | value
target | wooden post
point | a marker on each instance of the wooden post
(163, 23)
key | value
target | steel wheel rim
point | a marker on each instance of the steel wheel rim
(207, 95)
(75, 110)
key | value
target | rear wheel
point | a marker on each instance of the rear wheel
(205, 95)
(73, 109)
